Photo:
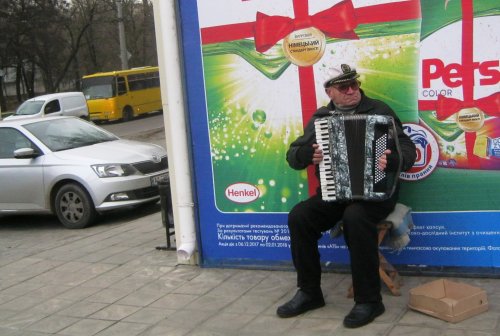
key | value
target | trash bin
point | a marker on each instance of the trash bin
(167, 215)
(166, 203)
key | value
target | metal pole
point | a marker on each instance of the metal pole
(121, 33)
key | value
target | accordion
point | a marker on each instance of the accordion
(351, 146)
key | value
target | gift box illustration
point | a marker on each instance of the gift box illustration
(264, 63)
(459, 97)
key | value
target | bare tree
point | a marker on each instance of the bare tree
(79, 18)
(62, 39)
(139, 25)
(16, 54)
(4, 56)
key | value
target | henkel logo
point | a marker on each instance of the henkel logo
(242, 192)
(427, 153)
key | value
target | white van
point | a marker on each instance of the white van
(54, 104)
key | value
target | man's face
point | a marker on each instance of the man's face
(345, 94)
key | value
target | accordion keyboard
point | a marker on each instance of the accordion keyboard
(327, 181)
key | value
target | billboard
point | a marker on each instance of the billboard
(254, 72)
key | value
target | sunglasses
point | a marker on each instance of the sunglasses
(343, 88)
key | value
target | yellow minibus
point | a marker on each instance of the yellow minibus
(122, 94)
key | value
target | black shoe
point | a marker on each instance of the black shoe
(301, 303)
(363, 313)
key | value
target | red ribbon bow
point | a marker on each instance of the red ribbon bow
(446, 107)
(337, 21)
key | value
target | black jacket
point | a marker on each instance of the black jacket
(300, 153)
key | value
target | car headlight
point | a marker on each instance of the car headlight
(114, 170)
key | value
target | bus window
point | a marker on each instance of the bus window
(143, 81)
(122, 88)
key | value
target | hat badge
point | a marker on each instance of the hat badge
(345, 68)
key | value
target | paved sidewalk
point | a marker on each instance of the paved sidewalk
(110, 280)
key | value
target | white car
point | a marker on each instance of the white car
(74, 169)
(53, 104)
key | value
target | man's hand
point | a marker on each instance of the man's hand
(318, 154)
(382, 160)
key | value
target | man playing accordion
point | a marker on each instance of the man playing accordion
(308, 219)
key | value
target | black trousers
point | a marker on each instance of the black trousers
(308, 219)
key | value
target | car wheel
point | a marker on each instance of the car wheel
(74, 207)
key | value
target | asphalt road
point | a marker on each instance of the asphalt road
(149, 128)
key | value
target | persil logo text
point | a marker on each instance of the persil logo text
(427, 153)
(452, 74)
(242, 192)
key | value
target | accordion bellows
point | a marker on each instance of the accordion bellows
(351, 146)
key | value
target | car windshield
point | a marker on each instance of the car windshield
(29, 107)
(67, 133)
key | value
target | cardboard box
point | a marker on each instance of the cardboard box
(448, 300)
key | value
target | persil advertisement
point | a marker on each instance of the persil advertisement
(254, 73)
